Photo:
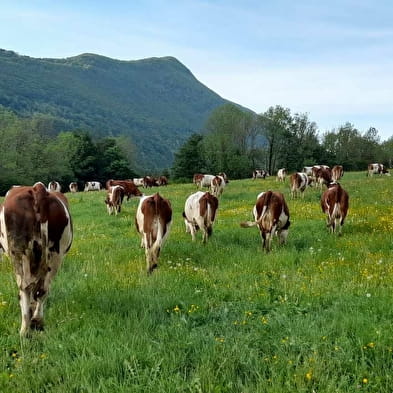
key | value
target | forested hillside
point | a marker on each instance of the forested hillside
(156, 101)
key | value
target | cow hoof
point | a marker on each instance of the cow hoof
(37, 324)
(151, 268)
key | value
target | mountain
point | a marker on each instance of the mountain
(156, 101)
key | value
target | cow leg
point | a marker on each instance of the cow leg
(25, 307)
(282, 236)
(42, 291)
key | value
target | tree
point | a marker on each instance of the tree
(189, 159)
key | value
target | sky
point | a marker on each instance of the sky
(330, 59)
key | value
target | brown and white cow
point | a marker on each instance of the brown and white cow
(217, 186)
(203, 180)
(149, 181)
(299, 181)
(271, 215)
(224, 176)
(114, 199)
(259, 174)
(36, 233)
(199, 213)
(138, 181)
(307, 170)
(73, 186)
(153, 221)
(54, 186)
(281, 174)
(92, 186)
(377, 169)
(322, 176)
(335, 203)
(162, 181)
(130, 189)
(337, 172)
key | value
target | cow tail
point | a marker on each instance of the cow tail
(267, 197)
(41, 207)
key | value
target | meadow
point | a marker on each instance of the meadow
(314, 315)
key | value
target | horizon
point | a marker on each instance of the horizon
(330, 61)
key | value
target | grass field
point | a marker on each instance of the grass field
(314, 315)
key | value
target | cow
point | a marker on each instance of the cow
(281, 174)
(162, 181)
(130, 189)
(92, 186)
(149, 181)
(199, 213)
(299, 182)
(138, 181)
(217, 186)
(307, 170)
(73, 186)
(337, 172)
(36, 233)
(271, 216)
(259, 174)
(54, 186)
(203, 180)
(379, 169)
(322, 176)
(335, 203)
(153, 221)
(114, 199)
(224, 176)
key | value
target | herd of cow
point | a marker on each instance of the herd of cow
(36, 227)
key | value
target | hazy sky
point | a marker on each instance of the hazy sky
(330, 59)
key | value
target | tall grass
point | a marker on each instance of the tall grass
(314, 315)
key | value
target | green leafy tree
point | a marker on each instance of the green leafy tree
(189, 159)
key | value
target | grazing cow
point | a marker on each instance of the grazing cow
(114, 199)
(153, 221)
(299, 182)
(92, 186)
(138, 181)
(281, 174)
(203, 180)
(149, 181)
(224, 176)
(36, 233)
(54, 186)
(379, 169)
(129, 187)
(271, 215)
(199, 213)
(73, 186)
(197, 178)
(322, 176)
(162, 181)
(259, 174)
(337, 172)
(217, 186)
(307, 170)
(334, 203)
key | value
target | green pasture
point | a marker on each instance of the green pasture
(314, 315)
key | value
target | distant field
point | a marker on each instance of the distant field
(314, 315)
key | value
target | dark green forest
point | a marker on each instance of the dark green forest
(155, 102)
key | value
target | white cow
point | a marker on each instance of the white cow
(199, 213)
(92, 186)
(54, 186)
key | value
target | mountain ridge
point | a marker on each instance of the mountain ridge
(156, 101)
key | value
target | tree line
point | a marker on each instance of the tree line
(236, 142)
(33, 152)
(233, 140)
